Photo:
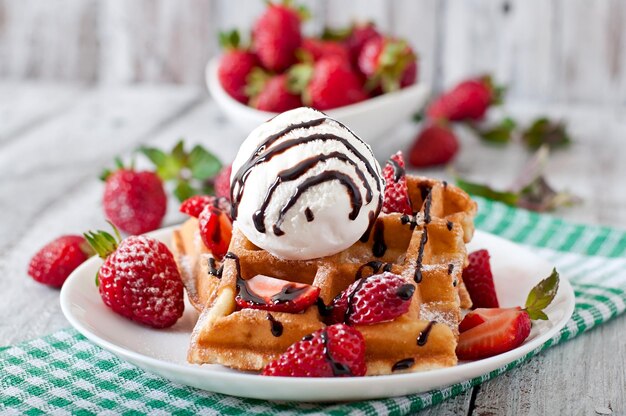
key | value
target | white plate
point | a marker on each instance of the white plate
(163, 352)
(369, 119)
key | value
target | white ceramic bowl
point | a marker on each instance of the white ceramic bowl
(369, 119)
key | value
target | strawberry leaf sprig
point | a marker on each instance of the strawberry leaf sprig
(190, 172)
(541, 296)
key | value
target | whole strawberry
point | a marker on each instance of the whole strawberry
(334, 351)
(235, 66)
(436, 144)
(134, 201)
(274, 96)
(373, 299)
(389, 64)
(222, 182)
(359, 35)
(318, 48)
(329, 83)
(54, 262)
(396, 192)
(276, 36)
(139, 278)
(469, 100)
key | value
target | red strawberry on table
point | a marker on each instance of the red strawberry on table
(271, 93)
(328, 83)
(54, 262)
(139, 278)
(335, 351)
(276, 36)
(469, 100)
(486, 332)
(271, 294)
(134, 201)
(435, 144)
(235, 66)
(388, 64)
(396, 191)
(216, 230)
(373, 299)
(478, 279)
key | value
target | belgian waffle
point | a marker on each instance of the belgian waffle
(426, 249)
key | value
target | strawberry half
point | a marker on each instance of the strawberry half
(193, 206)
(373, 299)
(486, 332)
(216, 230)
(478, 279)
(334, 351)
(396, 191)
(503, 332)
(271, 294)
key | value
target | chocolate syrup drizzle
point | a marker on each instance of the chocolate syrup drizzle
(339, 369)
(275, 326)
(379, 247)
(449, 225)
(264, 153)
(349, 309)
(423, 336)
(298, 171)
(410, 219)
(403, 364)
(423, 239)
(375, 266)
(405, 292)
(372, 219)
(309, 214)
(398, 171)
(450, 268)
(213, 271)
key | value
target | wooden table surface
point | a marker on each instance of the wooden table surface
(55, 140)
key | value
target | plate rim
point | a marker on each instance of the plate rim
(468, 370)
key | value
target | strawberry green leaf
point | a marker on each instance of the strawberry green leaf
(229, 39)
(336, 34)
(102, 242)
(203, 164)
(183, 190)
(485, 191)
(500, 133)
(167, 166)
(541, 296)
(545, 131)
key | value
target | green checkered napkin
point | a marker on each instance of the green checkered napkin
(64, 373)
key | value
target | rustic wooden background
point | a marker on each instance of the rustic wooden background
(566, 51)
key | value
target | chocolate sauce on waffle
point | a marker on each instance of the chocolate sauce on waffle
(403, 364)
(309, 214)
(354, 193)
(372, 219)
(423, 336)
(288, 293)
(322, 308)
(410, 219)
(213, 271)
(379, 247)
(339, 369)
(275, 326)
(375, 266)
(420, 255)
(450, 268)
(349, 309)
(405, 292)
(449, 225)
(398, 171)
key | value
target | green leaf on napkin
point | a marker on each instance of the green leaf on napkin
(541, 296)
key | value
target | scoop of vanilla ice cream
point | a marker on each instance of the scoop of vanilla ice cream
(304, 186)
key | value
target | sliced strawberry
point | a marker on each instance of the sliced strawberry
(396, 191)
(478, 279)
(334, 351)
(193, 206)
(216, 230)
(503, 332)
(373, 299)
(271, 294)
(481, 315)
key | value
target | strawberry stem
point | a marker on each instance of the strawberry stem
(103, 243)
(541, 296)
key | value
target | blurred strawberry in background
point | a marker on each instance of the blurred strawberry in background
(235, 66)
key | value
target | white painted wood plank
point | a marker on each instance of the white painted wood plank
(340, 13)
(54, 40)
(24, 106)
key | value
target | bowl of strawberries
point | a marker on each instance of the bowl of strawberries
(358, 75)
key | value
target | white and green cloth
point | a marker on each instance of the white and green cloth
(64, 373)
